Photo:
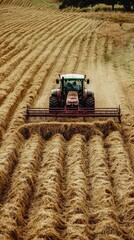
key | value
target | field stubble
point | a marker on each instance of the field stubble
(64, 180)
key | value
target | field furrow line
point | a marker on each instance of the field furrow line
(76, 50)
(31, 34)
(104, 212)
(17, 23)
(53, 37)
(76, 193)
(79, 54)
(95, 48)
(29, 59)
(35, 86)
(97, 66)
(36, 26)
(16, 48)
(128, 135)
(106, 50)
(19, 116)
(12, 13)
(15, 41)
(9, 158)
(116, 81)
(15, 32)
(51, 187)
(63, 64)
(82, 61)
(70, 65)
(22, 23)
(126, 93)
(127, 88)
(13, 20)
(88, 59)
(22, 187)
(109, 52)
(3, 38)
(122, 177)
(83, 66)
(24, 41)
(7, 29)
(104, 75)
(82, 50)
(66, 54)
(91, 52)
(42, 99)
(101, 50)
(13, 63)
(46, 205)
(15, 27)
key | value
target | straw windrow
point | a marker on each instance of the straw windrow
(76, 193)
(45, 220)
(14, 209)
(123, 181)
(9, 154)
(65, 178)
(104, 211)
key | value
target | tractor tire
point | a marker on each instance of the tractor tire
(53, 102)
(90, 103)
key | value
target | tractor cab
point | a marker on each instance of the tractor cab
(63, 96)
(70, 85)
(72, 82)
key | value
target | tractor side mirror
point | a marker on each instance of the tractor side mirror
(57, 81)
(88, 81)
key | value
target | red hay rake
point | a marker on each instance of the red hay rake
(73, 113)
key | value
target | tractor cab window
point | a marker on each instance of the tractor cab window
(73, 85)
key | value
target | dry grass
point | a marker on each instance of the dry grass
(9, 154)
(77, 194)
(45, 220)
(13, 210)
(67, 129)
(123, 181)
(65, 180)
(104, 211)
(1, 134)
(76, 210)
(116, 17)
(11, 103)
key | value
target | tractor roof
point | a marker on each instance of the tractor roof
(73, 76)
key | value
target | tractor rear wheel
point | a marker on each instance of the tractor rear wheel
(90, 103)
(53, 102)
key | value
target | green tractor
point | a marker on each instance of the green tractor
(72, 93)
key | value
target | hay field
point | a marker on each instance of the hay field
(65, 180)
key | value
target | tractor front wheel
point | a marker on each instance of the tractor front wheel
(53, 102)
(90, 103)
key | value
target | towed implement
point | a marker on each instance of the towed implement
(72, 99)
